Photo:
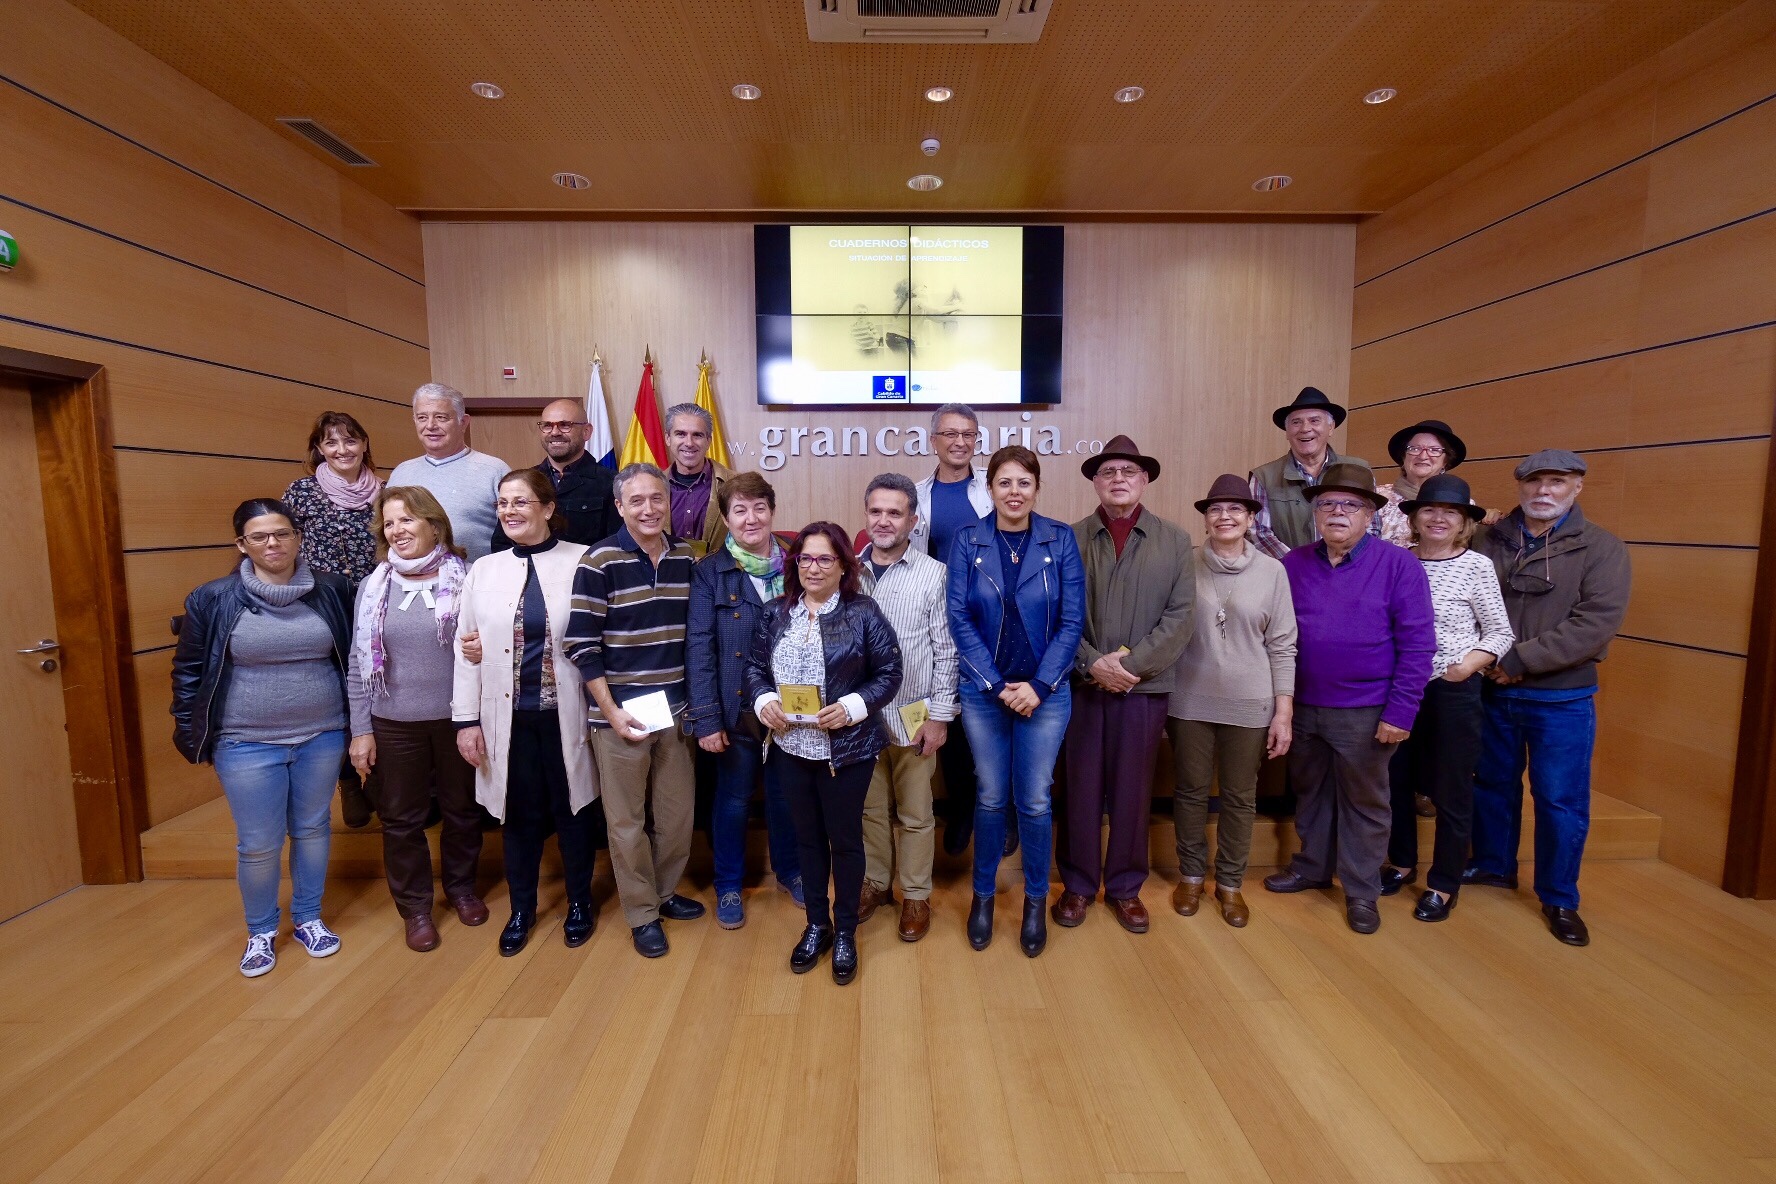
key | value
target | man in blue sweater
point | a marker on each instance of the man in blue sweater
(1367, 637)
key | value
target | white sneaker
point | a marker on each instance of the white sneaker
(317, 939)
(260, 957)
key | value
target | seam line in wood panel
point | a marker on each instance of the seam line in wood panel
(226, 188)
(1657, 148)
(1679, 645)
(1634, 447)
(222, 275)
(180, 547)
(1627, 353)
(1690, 546)
(1575, 275)
(168, 353)
(280, 460)
(154, 649)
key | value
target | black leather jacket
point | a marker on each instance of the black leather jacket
(201, 665)
(862, 657)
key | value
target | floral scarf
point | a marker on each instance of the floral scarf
(436, 577)
(759, 567)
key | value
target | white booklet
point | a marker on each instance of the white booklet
(652, 711)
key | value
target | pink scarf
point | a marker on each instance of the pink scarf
(437, 576)
(348, 495)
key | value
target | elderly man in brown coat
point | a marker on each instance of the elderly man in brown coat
(1140, 591)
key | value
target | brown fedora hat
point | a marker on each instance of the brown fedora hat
(1120, 447)
(1229, 487)
(1349, 476)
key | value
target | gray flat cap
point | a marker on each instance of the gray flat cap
(1550, 460)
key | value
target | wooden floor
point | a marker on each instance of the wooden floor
(1474, 1052)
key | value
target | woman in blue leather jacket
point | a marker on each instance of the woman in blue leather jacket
(1017, 610)
(823, 635)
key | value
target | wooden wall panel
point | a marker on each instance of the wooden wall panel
(1676, 430)
(107, 141)
(1184, 336)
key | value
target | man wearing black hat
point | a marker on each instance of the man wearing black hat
(1140, 590)
(1566, 583)
(1284, 486)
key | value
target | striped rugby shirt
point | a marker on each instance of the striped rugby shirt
(627, 620)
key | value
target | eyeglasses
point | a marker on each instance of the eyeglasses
(950, 437)
(1338, 505)
(1424, 450)
(515, 503)
(1223, 510)
(260, 537)
(1129, 472)
(823, 562)
(555, 427)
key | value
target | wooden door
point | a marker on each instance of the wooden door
(39, 844)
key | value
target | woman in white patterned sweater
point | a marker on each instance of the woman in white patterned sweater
(1438, 757)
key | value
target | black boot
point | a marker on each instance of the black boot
(816, 940)
(844, 960)
(577, 929)
(516, 932)
(980, 922)
(1034, 935)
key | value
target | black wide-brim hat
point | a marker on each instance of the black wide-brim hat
(1457, 451)
(1311, 398)
(1445, 489)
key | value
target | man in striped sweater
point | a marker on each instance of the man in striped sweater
(626, 633)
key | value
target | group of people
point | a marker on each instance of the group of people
(574, 651)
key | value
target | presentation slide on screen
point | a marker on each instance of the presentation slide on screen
(907, 314)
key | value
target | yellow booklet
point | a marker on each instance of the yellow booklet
(801, 704)
(914, 715)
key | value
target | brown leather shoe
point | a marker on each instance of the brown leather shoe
(915, 919)
(872, 899)
(1186, 897)
(1070, 909)
(1131, 914)
(422, 935)
(1233, 907)
(470, 910)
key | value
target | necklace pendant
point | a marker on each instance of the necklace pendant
(1016, 558)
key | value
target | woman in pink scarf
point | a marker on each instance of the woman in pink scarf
(332, 507)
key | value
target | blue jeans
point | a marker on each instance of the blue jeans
(1014, 761)
(1554, 741)
(736, 772)
(275, 790)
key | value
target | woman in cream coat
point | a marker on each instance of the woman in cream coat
(518, 723)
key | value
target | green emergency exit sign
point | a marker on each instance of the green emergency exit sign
(9, 251)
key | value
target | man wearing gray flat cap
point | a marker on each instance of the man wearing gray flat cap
(1566, 583)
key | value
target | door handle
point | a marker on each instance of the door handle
(46, 646)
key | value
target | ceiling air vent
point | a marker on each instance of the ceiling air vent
(926, 21)
(329, 143)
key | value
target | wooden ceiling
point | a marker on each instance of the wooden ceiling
(634, 94)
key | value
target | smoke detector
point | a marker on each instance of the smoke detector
(929, 145)
(967, 22)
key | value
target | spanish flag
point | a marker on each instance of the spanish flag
(718, 444)
(646, 438)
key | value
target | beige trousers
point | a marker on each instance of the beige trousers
(658, 771)
(901, 777)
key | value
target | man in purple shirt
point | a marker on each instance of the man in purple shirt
(693, 480)
(1368, 635)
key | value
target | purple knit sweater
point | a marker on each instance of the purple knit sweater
(1367, 629)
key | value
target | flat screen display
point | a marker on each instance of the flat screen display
(891, 315)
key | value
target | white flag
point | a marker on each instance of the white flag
(598, 439)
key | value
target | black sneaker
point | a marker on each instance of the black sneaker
(650, 939)
(681, 908)
(816, 940)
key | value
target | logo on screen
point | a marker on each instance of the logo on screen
(890, 388)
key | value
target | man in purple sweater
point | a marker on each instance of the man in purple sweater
(1363, 608)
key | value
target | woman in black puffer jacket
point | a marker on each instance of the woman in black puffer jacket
(826, 635)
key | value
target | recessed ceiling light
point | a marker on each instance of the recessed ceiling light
(747, 91)
(940, 94)
(571, 181)
(487, 90)
(1380, 95)
(924, 182)
(1129, 94)
(1272, 184)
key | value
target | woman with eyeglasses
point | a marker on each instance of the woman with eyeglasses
(1438, 756)
(1422, 451)
(824, 661)
(1017, 612)
(519, 706)
(259, 691)
(334, 507)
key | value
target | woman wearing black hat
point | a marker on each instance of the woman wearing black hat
(1438, 757)
(1422, 451)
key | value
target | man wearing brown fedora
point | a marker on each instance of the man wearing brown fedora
(1367, 635)
(1140, 590)
(1284, 487)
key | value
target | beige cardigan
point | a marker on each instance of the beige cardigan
(483, 690)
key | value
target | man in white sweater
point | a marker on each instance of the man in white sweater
(465, 482)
